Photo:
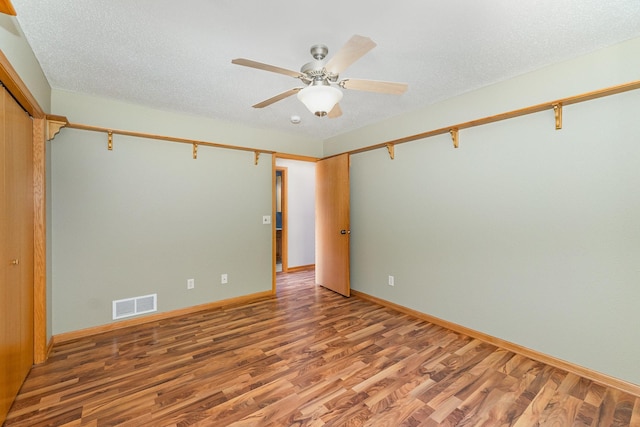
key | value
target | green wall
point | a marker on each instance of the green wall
(115, 114)
(16, 48)
(525, 233)
(146, 217)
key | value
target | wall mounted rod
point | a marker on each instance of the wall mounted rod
(601, 93)
(158, 137)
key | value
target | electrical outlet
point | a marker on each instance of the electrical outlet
(191, 283)
(391, 281)
(224, 278)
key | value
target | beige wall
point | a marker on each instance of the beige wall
(525, 233)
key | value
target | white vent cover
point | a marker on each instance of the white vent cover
(133, 306)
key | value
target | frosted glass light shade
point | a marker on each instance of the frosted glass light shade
(320, 99)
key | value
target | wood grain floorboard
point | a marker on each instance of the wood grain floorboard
(308, 357)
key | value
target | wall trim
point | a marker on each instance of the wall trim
(273, 223)
(296, 157)
(40, 351)
(49, 348)
(18, 89)
(95, 330)
(590, 374)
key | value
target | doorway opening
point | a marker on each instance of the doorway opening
(294, 188)
(281, 219)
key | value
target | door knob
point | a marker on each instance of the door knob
(345, 231)
(15, 261)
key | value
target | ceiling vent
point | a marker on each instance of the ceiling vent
(133, 306)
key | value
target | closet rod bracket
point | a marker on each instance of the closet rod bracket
(391, 148)
(454, 137)
(110, 140)
(195, 151)
(54, 125)
(557, 110)
(257, 157)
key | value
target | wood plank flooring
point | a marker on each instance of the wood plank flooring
(309, 357)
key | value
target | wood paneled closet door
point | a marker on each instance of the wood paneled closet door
(16, 249)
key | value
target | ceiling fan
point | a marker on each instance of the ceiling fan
(320, 78)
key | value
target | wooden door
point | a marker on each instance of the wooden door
(332, 224)
(16, 235)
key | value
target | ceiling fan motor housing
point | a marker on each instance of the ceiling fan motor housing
(315, 71)
(313, 68)
(319, 51)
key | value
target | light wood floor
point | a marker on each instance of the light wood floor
(308, 358)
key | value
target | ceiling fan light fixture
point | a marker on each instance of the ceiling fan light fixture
(320, 99)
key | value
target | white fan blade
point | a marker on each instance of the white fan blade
(277, 98)
(266, 67)
(353, 50)
(374, 86)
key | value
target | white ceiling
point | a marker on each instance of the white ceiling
(177, 55)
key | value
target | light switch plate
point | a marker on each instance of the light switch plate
(266, 219)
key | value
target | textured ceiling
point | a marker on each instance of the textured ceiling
(177, 55)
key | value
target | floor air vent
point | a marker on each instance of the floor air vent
(134, 306)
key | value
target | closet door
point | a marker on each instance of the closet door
(16, 235)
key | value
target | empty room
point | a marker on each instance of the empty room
(355, 213)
